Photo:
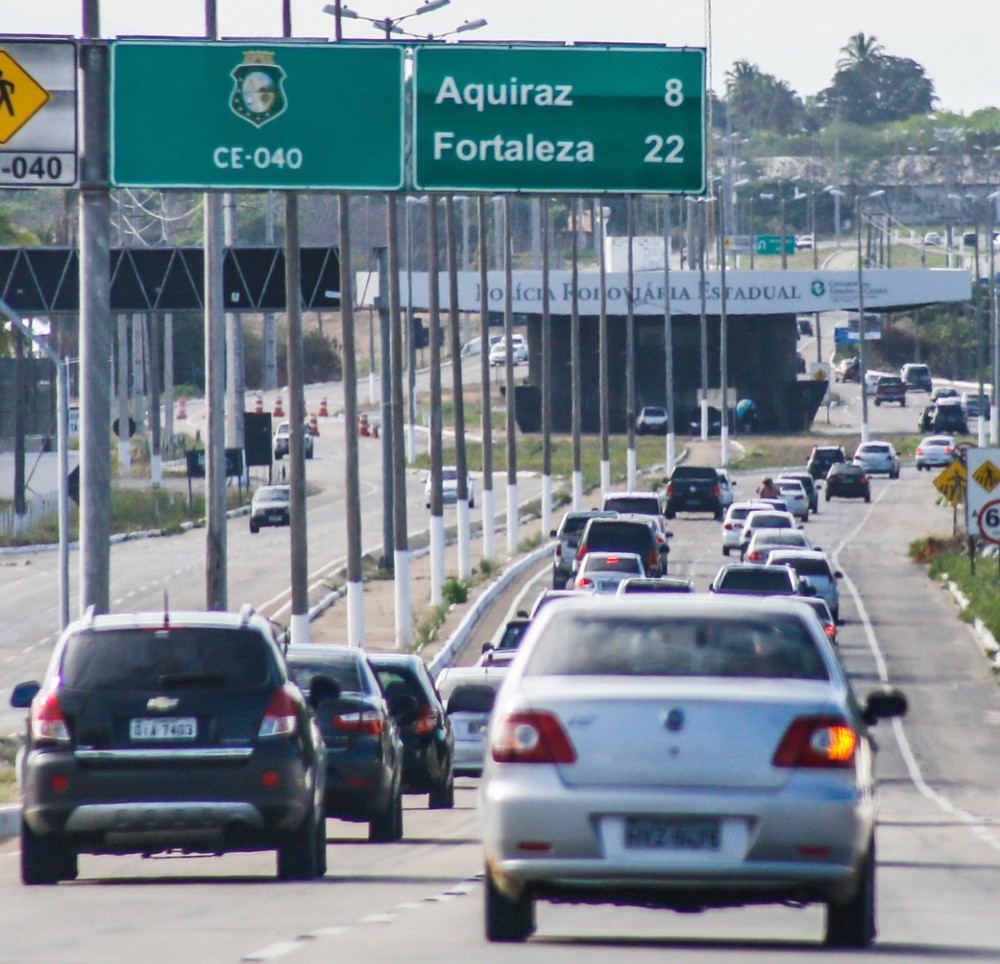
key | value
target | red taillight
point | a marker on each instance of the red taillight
(364, 721)
(670, 489)
(755, 556)
(717, 491)
(282, 714)
(947, 450)
(584, 583)
(580, 553)
(817, 741)
(48, 725)
(831, 631)
(728, 526)
(532, 737)
(426, 721)
(863, 480)
(654, 559)
(920, 450)
(613, 560)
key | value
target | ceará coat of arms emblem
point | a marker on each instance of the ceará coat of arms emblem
(258, 96)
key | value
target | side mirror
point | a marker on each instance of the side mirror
(732, 482)
(487, 647)
(838, 575)
(322, 689)
(884, 704)
(522, 613)
(22, 694)
(552, 534)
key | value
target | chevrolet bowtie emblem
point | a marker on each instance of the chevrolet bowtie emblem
(162, 703)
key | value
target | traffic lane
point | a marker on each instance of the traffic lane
(123, 909)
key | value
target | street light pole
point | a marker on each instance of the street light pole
(863, 354)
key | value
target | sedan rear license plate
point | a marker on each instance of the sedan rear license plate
(645, 833)
(275, 516)
(165, 728)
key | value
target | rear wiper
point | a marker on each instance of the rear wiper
(190, 679)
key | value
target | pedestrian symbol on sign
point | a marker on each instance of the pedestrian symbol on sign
(987, 475)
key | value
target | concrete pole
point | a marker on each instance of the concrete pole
(95, 320)
(508, 333)
(152, 342)
(546, 376)
(630, 467)
(668, 344)
(603, 349)
(124, 443)
(574, 351)
(235, 374)
(168, 383)
(401, 560)
(138, 375)
(437, 501)
(489, 502)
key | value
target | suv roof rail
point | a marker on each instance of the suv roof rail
(246, 613)
(87, 619)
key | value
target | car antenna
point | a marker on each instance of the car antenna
(166, 609)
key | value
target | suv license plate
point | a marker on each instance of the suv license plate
(166, 728)
(642, 833)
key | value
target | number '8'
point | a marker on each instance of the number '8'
(674, 92)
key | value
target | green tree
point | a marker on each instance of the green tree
(759, 101)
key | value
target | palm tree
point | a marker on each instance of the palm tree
(860, 51)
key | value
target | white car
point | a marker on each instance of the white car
(764, 519)
(684, 752)
(468, 693)
(449, 487)
(877, 458)
(805, 241)
(726, 494)
(935, 451)
(813, 569)
(732, 524)
(519, 351)
(794, 495)
(602, 572)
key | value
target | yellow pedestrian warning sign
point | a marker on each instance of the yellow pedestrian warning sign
(951, 483)
(21, 96)
(987, 476)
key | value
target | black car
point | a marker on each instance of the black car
(567, 538)
(636, 535)
(694, 488)
(364, 751)
(428, 741)
(945, 416)
(169, 732)
(847, 481)
(822, 457)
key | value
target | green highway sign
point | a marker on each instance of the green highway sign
(257, 114)
(589, 119)
(771, 244)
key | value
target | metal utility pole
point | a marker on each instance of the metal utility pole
(703, 326)
(401, 560)
(862, 332)
(994, 330)
(574, 351)
(461, 462)
(437, 500)
(235, 381)
(352, 474)
(95, 320)
(216, 589)
(723, 335)
(668, 344)
(155, 440)
(489, 503)
(508, 334)
(602, 337)
(388, 483)
(630, 346)
(124, 443)
(546, 376)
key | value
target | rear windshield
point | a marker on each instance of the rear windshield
(627, 538)
(647, 505)
(758, 580)
(650, 645)
(165, 659)
(770, 522)
(573, 525)
(809, 567)
(347, 673)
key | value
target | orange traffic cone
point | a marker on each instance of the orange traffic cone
(258, 405)
(363, 424)
(278, 411)
(181, 410)
(324, 412)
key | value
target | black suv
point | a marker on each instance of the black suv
(568, 541)
(694, 488)
(169, 731)
(945, 415)
(822, 457)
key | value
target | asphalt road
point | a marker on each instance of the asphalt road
(418, 900)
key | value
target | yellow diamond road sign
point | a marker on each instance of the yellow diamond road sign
(951, 483)
(987, 475)
(21, 96)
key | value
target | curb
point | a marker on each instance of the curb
(987, 641)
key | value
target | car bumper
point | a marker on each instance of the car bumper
(112, 804)
(802, 842)
(270, 519)
(356, 789)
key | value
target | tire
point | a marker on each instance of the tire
(321, 847)
(443, 797)
(878, 402)
(725, 550)
(43, 861)
(387, 825)
(805, 518)
(670, 514)
(277, 456)
(254, 527)
(868, 497)
(852, 924)
(506, 921)
(309, 453)
(827, 495)
(298, 855)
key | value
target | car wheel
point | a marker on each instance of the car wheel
(321, 847)
(868, 497)
(725, 550)
(670, 514)
(254, 527)
(443, 797)
(878, 402)
(718, 515)
(43, 861)
(309, 453)
(827, 495)
(387, 825)
(277, 456)
(852, 924)
(508, 920)
(298, 854)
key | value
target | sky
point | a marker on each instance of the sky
(798, 41)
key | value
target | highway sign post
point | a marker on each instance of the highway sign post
(38, 146)
(257, 114)
(588, 119)
(983, 470)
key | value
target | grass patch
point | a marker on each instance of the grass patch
(8, 781)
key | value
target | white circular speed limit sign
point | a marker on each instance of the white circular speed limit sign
(989, 521)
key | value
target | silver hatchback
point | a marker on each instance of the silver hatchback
(681, 752)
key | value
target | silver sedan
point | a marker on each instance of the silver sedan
(681, 752)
